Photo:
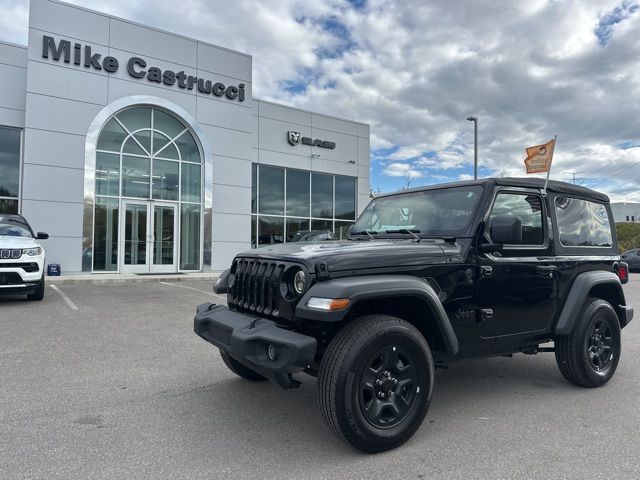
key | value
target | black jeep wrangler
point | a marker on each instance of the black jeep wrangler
(427, 276)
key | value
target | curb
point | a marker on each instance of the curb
(120, 279)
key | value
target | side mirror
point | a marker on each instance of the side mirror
(506, 229)
(42, 236)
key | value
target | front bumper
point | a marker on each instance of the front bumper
(247, 338)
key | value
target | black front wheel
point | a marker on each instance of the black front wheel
(589, 356)
(375, 382)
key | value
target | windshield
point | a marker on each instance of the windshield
(14, 228)
(447, 211)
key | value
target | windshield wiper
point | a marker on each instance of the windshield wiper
(410, 231)
(370, 233)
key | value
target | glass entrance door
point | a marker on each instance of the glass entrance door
(148, 237)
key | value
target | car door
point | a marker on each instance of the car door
(633, 260)
(517, 287)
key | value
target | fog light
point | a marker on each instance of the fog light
(272, 352)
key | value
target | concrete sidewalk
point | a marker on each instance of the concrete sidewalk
(104, 278)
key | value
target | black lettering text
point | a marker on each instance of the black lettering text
(204, 86)
(306, 141)
(241, 92)
(232, 92)
(131, 64)
(77, 52)
(191, 81)
(91, 60)
(168, 77)
(110, 64)
(49, 45)
(181, 79)
(154, 75)
(218, 89)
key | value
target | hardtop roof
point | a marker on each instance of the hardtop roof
(533, 182)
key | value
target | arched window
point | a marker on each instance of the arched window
(148, 194)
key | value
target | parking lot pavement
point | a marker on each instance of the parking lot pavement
(120, 387)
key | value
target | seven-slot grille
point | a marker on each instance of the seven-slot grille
(256, 286)
(10, 252)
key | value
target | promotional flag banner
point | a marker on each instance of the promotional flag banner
(539, 157)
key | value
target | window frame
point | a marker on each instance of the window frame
(255, 216)
(20, 168)
(544, 214)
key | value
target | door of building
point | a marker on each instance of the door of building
(148, 233)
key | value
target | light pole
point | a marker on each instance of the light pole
(475, 146)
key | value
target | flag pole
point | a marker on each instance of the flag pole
(546, 182)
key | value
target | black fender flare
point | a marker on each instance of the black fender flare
(579, 292)
(370, 287)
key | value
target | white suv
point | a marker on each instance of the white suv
(21, 258)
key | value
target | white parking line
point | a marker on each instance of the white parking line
(196, 289)
(68, 301)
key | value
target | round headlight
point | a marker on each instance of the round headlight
(298, 282)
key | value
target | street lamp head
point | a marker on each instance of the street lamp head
(472, 119)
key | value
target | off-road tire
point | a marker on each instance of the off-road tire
(573, 350)
(346, 366)
(38, 294)
(239, 369)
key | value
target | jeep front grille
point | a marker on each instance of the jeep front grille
(10, 253)
(256, 286)
(27, 267)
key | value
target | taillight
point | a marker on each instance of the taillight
(623, 272)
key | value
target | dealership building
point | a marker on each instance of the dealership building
(144, 151)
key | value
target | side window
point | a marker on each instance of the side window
(528, 208)
(582, 223)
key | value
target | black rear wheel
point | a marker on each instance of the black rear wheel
(589, 356)
(239, 369)
(375, 382)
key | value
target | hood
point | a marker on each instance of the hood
(7, 241)
(355, 255)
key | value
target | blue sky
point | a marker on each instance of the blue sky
(415, 70)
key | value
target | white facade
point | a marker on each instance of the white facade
(626, 211)
(62, 106)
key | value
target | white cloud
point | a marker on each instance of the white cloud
(402, 170)
(415, 70)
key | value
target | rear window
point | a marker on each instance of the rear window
(582, 223)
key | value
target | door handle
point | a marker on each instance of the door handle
(486, 271)
(546, 270)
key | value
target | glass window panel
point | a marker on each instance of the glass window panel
(159, 141)
(107, 174)
(582, 223)
(254, 230)
(144, 137)
(321, 195)
(135, 118)
(296, 228)
(297, 193)
(131, 146)
(9, 161)
(270, 230)
(190, 237)
(167, 124)
(170, 151)
(165, 180)
(8, 206)
(528, 208)
(254, 188)
(342, 230)
(190, 183)
(345, 198)
(105, 241)
(163, 234)
(111, 136)
(271, 191)
(188, 148)
(324, 225)
(135, 177)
